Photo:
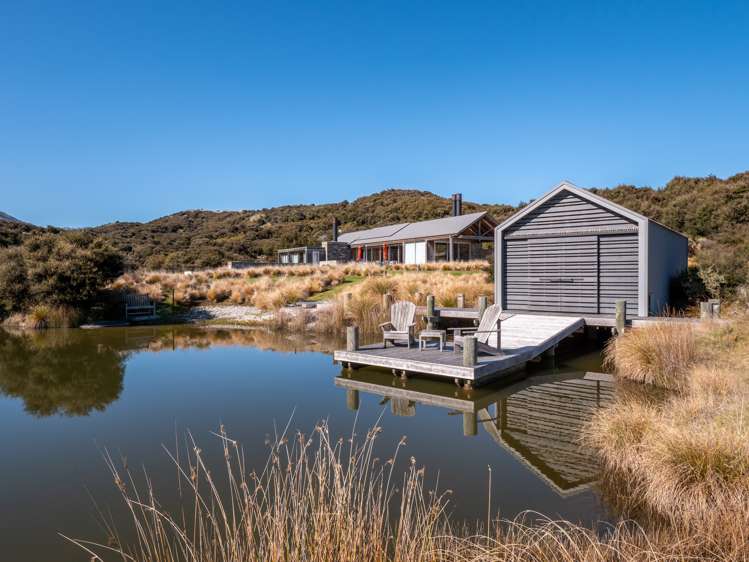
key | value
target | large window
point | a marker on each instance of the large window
(441, 251)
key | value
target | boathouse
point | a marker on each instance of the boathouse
(574, 252)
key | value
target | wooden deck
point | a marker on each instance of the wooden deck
(524, 337)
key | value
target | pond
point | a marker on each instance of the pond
(67, 396)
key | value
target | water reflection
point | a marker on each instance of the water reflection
(539, 420)
(76, 372)
(59, 374)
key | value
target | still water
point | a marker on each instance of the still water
(66, 396)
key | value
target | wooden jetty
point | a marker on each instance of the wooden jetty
(523, 338)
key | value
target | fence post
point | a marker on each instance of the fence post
(352, 338)
(705, 310)
(461, 300)
(347, 297)
(621, 316)
(714, 308)
(470, 352)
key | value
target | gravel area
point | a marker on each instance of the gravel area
(238, 313)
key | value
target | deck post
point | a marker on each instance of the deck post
(621, 316)
(352, 399)
(352, 338)
(470, 351)
(470, 425)
(483, 304)
(387, 301)
(431, 313)
(461, 300)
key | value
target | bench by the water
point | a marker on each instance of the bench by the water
(524, 337)
(139, 306)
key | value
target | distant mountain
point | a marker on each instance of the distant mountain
(8, 218)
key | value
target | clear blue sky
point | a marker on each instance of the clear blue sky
(129, 111)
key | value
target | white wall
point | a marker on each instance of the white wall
(416, 252)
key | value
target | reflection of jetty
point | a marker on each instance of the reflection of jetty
(524, 337)
(538, 420)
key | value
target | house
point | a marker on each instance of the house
(457, 237)
(574, 252)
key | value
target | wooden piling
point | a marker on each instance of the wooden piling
(470, 425)
(352, 399)
(352, 338)
(621, 316)
(461, 300)
(470, 351)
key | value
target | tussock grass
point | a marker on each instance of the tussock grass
(661, 354)
(319, 498)
(685, 458)
(42, 316)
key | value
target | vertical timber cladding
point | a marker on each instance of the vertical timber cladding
(570, 256)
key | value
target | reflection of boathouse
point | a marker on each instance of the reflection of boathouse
(541, 426)
(539, 420)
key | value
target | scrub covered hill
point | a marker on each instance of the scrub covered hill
(713, 212)
(194, 239)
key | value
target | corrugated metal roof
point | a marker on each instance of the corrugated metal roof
(448, 226)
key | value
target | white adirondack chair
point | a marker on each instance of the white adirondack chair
(401, 325)
(488, 325)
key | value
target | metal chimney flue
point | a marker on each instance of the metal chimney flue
(457, 204)
(336, 225)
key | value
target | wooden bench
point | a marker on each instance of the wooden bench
(139, 305)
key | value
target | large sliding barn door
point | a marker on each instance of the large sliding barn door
(552, 274)
(619, 255)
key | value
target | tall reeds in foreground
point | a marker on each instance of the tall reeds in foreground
(323, 499)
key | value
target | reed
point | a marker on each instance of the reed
(323, 499)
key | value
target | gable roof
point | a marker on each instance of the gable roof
(583, 194)
(448, 226)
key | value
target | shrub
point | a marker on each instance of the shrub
(14, 282)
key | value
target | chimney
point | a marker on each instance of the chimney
(457, 204)
(336, 224)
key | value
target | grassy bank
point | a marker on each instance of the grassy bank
(322, 498)
(681, 454)
(351, 293)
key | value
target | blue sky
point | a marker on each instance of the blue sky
(132, 110)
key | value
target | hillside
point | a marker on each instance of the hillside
(207, 238)
(713, 212)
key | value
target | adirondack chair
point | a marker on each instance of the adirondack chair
(488, 325)
(401, 325)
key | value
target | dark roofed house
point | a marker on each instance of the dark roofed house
(458, 237)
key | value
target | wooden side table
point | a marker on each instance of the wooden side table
(426, 335)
